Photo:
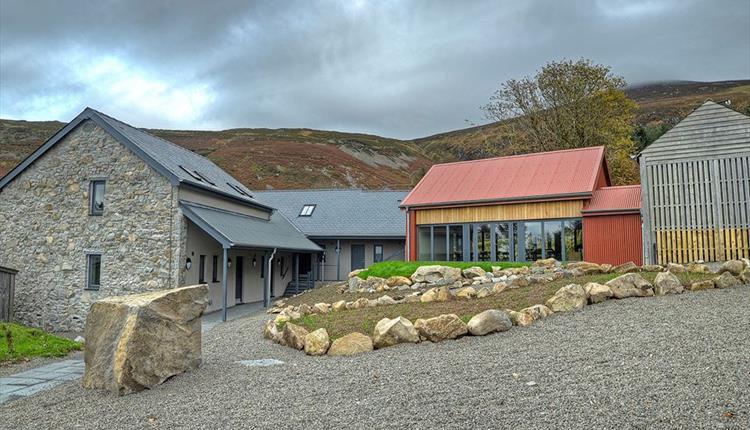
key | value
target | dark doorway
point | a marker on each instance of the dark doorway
(358, 257)
(238, 279)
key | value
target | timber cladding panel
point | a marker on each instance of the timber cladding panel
(507, 212)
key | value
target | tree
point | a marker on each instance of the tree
(569, 104)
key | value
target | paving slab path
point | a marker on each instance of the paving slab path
(38, 379)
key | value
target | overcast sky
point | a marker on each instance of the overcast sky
(394, 68)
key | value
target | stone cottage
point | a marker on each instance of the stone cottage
(103, 208)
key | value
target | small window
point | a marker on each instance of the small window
(202, 270)
(96, 197)
(307, 210)
(239, 190)
(215, 269)
(204, 177)
(93, 271)
(378, 253)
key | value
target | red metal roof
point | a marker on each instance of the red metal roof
(615, 199)
(544, 175)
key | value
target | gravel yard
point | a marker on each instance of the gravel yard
(664, 362)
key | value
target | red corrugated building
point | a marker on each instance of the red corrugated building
(612, 230)
(517, 208)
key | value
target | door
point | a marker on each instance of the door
(238, 279)
(358, 257)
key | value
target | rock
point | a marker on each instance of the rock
(537, 312)
(652, 268)
(484, 292)
(271, 331)
(474, 272)
(489, 321)
(429, 296)
(79, 339)
(321, 308)
(339, 306)
(317, 342)
(305, 309)
(667, 283)
(499, 287)
(499, 272)
(585, 267)
(735, 267)
(698, 268)
(354, 273)
(701, 285)
(444, 294)
(440, 328)
(630, 285)
(571, 297)
(412, 299)
(605, 268)
(138, 341)
(352, 343)
(293, 335)
(745, 275)
(386, 300)
(628, 267)
(466, 293)
(520, 319)
(371, 303)
(389, 332)
(377, 284)
(436, 275)
(281, 319)
(520, 281)
(676, 268)
(547, 262)
(726, 280)
(359, 303)
(355, 283)
(397, 281)
(597, 293)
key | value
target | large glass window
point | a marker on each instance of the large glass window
(574, 240)
(456, 243)
(439, 245)
(553, 239)
(484, 242)
(502, 242)
(424, 244)
(533, 240)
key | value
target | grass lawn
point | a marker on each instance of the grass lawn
(386, 269)
(19, 342)
(363, 320)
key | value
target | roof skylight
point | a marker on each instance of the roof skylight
(307, 210)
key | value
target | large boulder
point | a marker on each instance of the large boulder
(321, 308)
(339, 306)
(354, 273)
(630, 285)
(735, 267)
(726, 280)
(444, 294)
(436, 329)
(398, 281)
(701, 285)
(271, 331)
(745, 275)
(293, 336)
(597, 293)
(442, 275)
(429, 296)
(355, 283)
(628, 267)
(389, 332)
(474, 272)
(484, 292)
(466, 293)
(352, 343)
(520, 319)
(138, 341)
(652, 268)
(317, 342)
(546, 263)
(667, 283)
(676, 268)
(386, 300)
(538, 312)
(698, 268)
(519, 281)
(489, 321)
(377, 284)
(571, 297)
(586, 267)
(499, 287)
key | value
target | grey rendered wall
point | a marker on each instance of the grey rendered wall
(392, 250)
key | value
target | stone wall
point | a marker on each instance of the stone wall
(46, 230)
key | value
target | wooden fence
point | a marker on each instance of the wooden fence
(7, 289)
(699, 209)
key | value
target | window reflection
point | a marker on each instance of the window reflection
(502, 242)
(456, 243)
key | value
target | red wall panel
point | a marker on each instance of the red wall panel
(411, 235)
(613, 239)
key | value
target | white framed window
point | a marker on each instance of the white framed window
(93, 271)
(96, 197)
(307, 210)
(378, 253)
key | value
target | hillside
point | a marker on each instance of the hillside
(304, 158)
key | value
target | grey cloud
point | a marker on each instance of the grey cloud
(391, 68)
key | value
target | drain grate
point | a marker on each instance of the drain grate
(263, 362)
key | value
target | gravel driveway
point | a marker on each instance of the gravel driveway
(666, 362)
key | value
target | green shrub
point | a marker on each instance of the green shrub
(18, 342)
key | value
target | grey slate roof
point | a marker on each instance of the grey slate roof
(342, 213)
(710, 130)
(237, 230)
(164, 156)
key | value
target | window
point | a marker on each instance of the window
(215, 269)
(263, 266)
(424, 244)
(307, 210)
(202, 269)
(96, 197)
(573, 240)
(93, 271)
(378, 253)
(553, 240)
(502, 242)
(439, 243)
(456, 243)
